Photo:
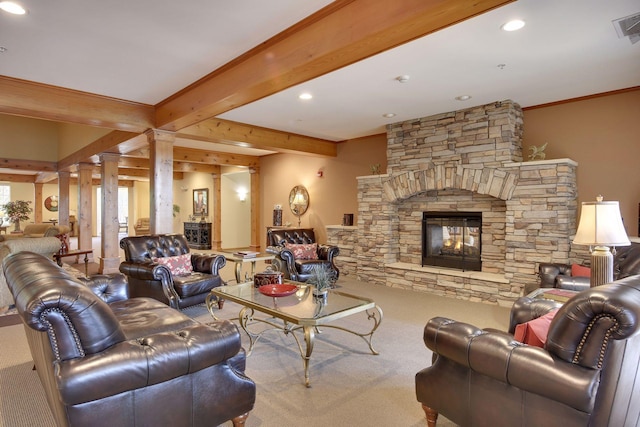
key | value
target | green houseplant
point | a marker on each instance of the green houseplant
(17, 211)
(322, 278)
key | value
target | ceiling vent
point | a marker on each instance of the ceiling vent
(628, 26)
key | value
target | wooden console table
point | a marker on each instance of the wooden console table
(198, 234)
(76, 253)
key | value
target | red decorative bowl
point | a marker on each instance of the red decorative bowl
(278, 290)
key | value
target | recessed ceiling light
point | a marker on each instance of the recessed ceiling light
(389, 115)
(305, 95)
(403, 78)
(514, 25)
(463, 98)
(3, 49)
(11, 7)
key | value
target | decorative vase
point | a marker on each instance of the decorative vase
(16, 226)
(320, 295)
(277, 217)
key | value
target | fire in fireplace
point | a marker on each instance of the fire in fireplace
(452, 239)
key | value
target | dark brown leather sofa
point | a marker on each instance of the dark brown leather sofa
(107, 360)
(587, 374)
(626, 262)
(299, 270)
(150, 279)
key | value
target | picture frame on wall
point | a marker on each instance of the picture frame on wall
(201, 202)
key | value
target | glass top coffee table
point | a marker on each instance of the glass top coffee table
(299, 311)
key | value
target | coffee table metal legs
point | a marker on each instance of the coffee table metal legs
(246, 317)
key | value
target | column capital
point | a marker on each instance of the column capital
(109, 157)
(85, 166)
(160, 135)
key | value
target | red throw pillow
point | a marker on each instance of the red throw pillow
(179, 265)
(535, 331)
(580, 271)
(308, 251)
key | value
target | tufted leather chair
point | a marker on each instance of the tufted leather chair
(587, 374)
(297, 269)
(105, 359)
(149, 279)
(626, 262)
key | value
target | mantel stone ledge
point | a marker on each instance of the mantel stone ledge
(342, 227)
(541, 163)
(478, 275)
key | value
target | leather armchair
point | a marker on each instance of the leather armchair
(150, 279)
(299, 270)
(587, 374)
(626, 262)
(107, 360)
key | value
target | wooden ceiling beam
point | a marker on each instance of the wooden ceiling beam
(106, 144)
(41, 101)
(206, 157)
(14, 177)
(344, 32)
(28, 165)
(244, 135)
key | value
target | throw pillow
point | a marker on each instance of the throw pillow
(179, 265)
(306, 251)
(535, 331)
(580, 271)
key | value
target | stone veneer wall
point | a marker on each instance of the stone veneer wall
(469, 160)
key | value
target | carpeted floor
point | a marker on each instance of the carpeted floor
(349, 385)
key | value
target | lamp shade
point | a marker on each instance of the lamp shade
(601, 224)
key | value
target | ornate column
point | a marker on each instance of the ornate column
(216, 241)
(254, 173)
(85, 203)
(110, 259)
(160, 180)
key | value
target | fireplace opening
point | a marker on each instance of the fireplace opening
(452, 239)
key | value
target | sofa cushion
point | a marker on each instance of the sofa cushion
(578, 270)
(303, 251)
(179, 265)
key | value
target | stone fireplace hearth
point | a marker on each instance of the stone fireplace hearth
(463, 161)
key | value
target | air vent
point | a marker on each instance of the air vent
(628, 26)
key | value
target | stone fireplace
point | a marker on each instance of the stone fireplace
(463, 161)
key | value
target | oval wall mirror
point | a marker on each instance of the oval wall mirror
(298, 201)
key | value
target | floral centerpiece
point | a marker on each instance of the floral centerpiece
(17, 211)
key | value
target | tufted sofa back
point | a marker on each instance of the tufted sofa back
(142, 249)
(278, 237)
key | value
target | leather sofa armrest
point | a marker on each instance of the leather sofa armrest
(549, 271)
(146, 361)
(211, 264)
(572, 283)
(289, 261)
(498, 356)
(150, 271)
(526, 309)
(328, 252)
(109, 287)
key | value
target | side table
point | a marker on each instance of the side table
(76, 253)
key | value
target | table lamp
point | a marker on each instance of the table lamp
(601, 226)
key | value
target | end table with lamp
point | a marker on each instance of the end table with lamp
(601, 226)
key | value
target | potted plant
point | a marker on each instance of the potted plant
(17, 211)
(322, 279)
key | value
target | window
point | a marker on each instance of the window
(5, 194)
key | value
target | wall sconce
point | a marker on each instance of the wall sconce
(320, 173)
(242, 195)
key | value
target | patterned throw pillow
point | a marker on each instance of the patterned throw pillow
(179, 265)
(308, 251)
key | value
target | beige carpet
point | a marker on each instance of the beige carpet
(350, 386)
